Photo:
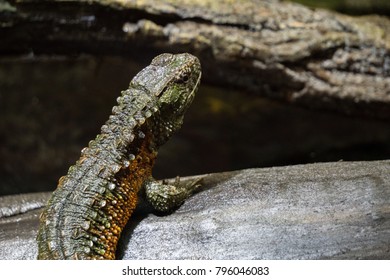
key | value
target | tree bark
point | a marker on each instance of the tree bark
(271, 48)
(317, 211)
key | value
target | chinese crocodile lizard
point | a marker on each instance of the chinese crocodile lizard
(91, 205)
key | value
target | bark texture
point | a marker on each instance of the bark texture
(318, 211)
(276, 49)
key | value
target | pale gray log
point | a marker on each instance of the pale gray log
(319, 211)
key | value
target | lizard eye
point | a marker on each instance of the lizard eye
(183, 78)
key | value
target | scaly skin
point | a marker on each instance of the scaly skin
(93, 202)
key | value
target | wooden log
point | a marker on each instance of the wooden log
(276, 49)
(335, 210)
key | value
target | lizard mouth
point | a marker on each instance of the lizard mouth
(192, 94)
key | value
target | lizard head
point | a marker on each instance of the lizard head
(181, 83)
(173, 80)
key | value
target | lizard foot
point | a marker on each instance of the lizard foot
(165, 197)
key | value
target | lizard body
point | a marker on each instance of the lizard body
(93, 202)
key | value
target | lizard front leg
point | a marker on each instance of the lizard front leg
(166, 197)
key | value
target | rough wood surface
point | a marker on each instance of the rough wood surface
(276, 49)
(318, 211)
